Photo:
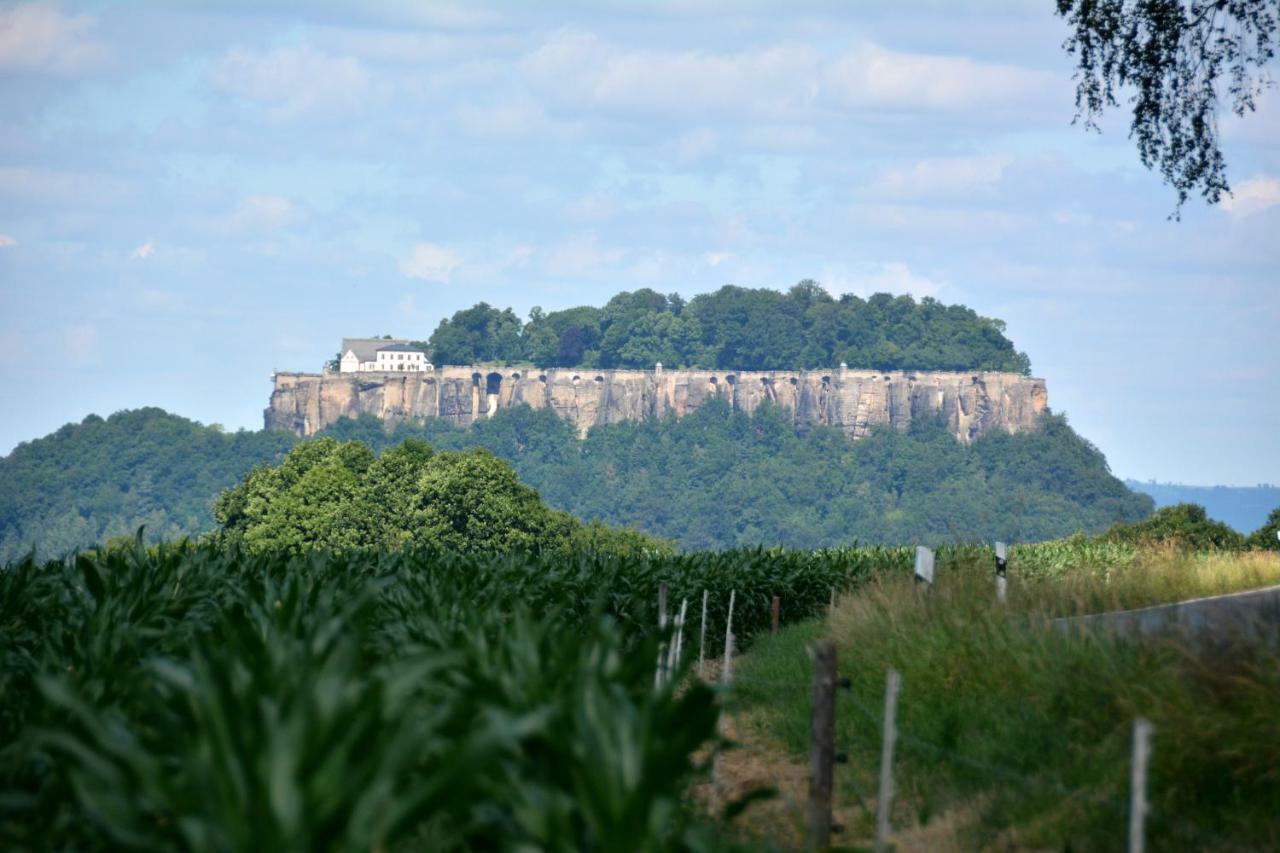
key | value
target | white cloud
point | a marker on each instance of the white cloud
(942, 176)
(583, 70)
(592, 207)
(715, 259)
(512, 119)
(144, 251)
(781, 81)
(80, 342)
(39, 187)
(258, 213)
(1258, 193)
(696, 145)
(39, 37)
(296, 81)
(581, 255)
(873, 75)
(6, 241)
(886, 277)
(430, 262)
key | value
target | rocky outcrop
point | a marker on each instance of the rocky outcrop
(853, 400)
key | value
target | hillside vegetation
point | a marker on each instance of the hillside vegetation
(105, 477)
(734, 328)
(714, 479)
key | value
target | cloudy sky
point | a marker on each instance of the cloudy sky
(190, 199)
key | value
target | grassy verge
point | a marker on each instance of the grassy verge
(1015, 735)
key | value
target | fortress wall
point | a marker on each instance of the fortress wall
(853, 400)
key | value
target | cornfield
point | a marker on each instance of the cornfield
(187, 697)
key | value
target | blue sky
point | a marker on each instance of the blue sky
(194, 194)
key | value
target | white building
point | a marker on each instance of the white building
(363, 355)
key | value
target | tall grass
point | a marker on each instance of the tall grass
(1024, 732)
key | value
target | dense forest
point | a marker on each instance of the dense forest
(104, 478)
(713, 479)
(734, 328)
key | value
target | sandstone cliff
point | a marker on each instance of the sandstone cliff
(853, 400)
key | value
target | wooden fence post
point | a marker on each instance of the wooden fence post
(773, 616)
(728, 632)
(1138, 805)
(673, 656)
(1002, 564)
(660, 675)
(725, 675)
(822, 745)
(702, 642)
(893, 682)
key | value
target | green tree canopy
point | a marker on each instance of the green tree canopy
(478, 334)
(736, 328)
(1182, 525)
(1266, 536)
(336, 495)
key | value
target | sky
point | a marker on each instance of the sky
(194, 195)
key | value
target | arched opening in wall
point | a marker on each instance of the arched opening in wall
(766, 382)
(713, 382)
(515, 375)
(975, 380)
(731, 379)
(493, 383)
(826, 380)
(475, 378)
(542, 377)
(795, 381)
(887, 378)
(576, 379)
(599, 378)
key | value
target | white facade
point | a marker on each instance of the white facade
(397, 358)
(382, 355)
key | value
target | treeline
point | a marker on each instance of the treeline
(734, 328)
(713, 479)
(717, 479)
(105, 477)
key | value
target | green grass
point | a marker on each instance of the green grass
(1020, 734)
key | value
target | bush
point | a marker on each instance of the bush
(1181, 525)
(1265, 537)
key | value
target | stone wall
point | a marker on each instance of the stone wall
(853, 400)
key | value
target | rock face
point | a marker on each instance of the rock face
(853, 400)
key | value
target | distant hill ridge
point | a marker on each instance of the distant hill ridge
(1244, 508)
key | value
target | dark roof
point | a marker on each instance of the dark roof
(399, 348)
(366, 348)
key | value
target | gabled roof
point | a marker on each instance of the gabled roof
(366, 348)
(398, 347)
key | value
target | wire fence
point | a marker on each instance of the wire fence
(1116, 803)
(1122, 800)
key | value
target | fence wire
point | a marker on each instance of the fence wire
(1117, 806)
